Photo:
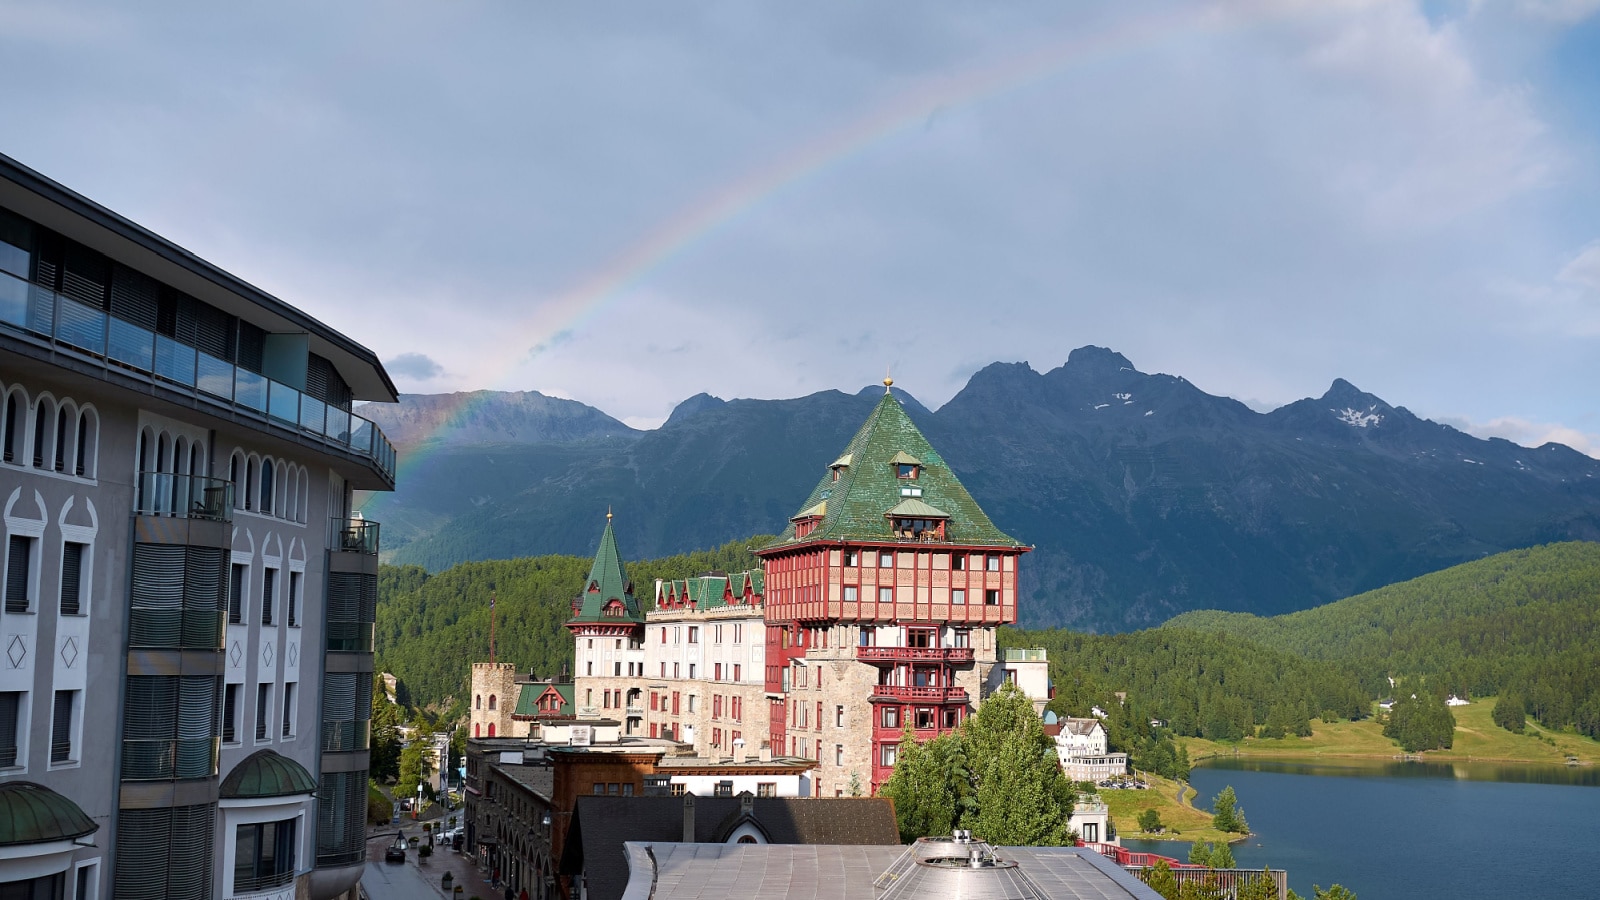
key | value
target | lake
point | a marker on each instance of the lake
(1414, 830)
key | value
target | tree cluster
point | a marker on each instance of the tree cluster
(997, 776)
(1227, 816)
(1510, 713)
(1421, 721)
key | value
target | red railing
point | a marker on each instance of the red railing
(1125, 857)
(909, 693)
(951, 655)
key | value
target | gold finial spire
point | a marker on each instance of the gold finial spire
(608, 512)
(888, 382)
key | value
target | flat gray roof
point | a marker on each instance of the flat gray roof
(670, 871)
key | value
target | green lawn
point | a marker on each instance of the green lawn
(1477, 739)
(1191, 824)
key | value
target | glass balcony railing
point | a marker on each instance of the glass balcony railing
(355, 536)
(27, 307)
(186, 496)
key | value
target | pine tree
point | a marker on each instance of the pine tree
(1161, 880)
(1228, 817)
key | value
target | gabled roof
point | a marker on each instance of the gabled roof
(607, 582)
(528, 699)
(916, 509)
(868, 488)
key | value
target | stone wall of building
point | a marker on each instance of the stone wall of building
(493, 699)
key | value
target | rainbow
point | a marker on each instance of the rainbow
(569, 310)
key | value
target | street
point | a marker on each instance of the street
(409, 881)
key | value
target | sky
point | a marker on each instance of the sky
(630, 203)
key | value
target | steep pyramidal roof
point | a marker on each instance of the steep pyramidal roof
(863, 487)
(607, 582)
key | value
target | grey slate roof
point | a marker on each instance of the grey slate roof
(601, 825)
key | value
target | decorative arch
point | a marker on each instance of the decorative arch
(269, 485)
(43, 418)
(12, 423)
(87, 464)
(251, 464)
(66, 431)
(492, 703)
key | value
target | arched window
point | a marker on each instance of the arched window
(476, 730)
(491, 702)
(268, 477)
(86, 438)
(63, 426)
(249, 483)
(748, 839)
(41, 430)
(477, 701)
(12, 426)
(491, 729)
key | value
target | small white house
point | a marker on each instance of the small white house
(1091, 819)
(1456, 701)
(1081, 746)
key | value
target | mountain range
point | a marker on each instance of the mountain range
(1143, 496)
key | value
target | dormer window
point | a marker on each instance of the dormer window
(838, 466)
(914, 520)
(807, 521)
(594, 587)
(906, 466)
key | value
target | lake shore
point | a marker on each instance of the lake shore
(1477, 740)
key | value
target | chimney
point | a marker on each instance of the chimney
(766, 751)
(688, 818)
(747, 803)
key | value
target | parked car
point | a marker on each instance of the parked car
(395, 853)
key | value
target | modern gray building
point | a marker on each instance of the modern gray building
(186, 633)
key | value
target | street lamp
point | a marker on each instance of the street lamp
(416, 811)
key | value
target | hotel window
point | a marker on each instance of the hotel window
(71, 579)
(991, 597)
(263, 855)
(889, 753)
(723, 789)
(269, 581)
(766, 789)
(236, 594)
(61, 722)
(838, 754)
(886, 559)
(717, 672)
(294, 598)
(230, 714)
(679, 789)
(958, 562)
(263, 710)
(838, 717)
(851, 593)
(716, 633)
(738, 633)
(852, 558)
(691, 671)
(952, 717)
(958, 596)
(891, 717)
(10, 715)
(736, 668)
(992, 562)
(19, 568)
(675, 670)
(886, 595)
(694, 634)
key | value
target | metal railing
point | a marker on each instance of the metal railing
(355, 536)
(94, 332)
(243, 884)
(954, 655)
(186, 496)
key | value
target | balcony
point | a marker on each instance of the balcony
(954, 656)
(635, 710)
(902, 693)
(355, 536)
(184, 496)
(93, 333)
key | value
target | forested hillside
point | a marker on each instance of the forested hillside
(431, 628)
(1526, 623)
(1211, 685)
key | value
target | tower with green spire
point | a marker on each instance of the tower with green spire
(607, 626)
(883, 596)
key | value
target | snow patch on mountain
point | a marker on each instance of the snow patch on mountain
(1357, 418)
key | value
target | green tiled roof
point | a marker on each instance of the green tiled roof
(33, 814)
(266, 773)
(607, 582)
(867, 489)
(528, 699)
(711, 591)
(916, 509)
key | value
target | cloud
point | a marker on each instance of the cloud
(1565, 12)
(415, 366)
(1584, 269)
(1528, 433)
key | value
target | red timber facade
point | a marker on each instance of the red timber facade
(883, 597)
